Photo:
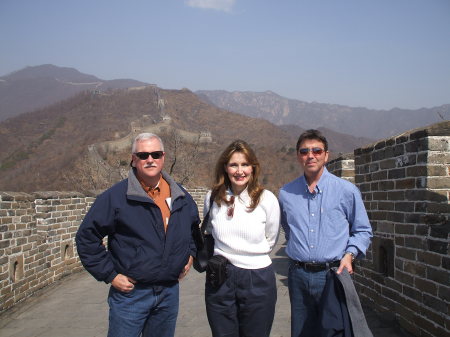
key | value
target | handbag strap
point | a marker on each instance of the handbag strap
(206, 217)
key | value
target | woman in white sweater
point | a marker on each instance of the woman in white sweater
(244, 221)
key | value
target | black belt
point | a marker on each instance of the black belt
(311, 266)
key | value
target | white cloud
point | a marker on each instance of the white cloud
(220, 5)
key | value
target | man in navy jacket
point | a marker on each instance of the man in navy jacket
(148, 219)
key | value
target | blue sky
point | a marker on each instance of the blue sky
(377, 54)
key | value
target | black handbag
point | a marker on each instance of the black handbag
(203, 242)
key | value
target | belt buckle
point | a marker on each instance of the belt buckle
(299, 264)
(309, 266)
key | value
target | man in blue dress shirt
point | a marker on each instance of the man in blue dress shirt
(325, 224)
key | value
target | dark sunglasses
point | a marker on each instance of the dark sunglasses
(317, 151)
(154, 154)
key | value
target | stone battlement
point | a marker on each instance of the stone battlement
(405, 184)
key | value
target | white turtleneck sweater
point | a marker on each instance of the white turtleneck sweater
(247, 238)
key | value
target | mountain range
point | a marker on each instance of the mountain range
(355, 121)
(64, 130)
(73, 143)
(36, 87)
(49, 149)
(40, 86)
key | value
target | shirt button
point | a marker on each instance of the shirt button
(312, 214)
(312, 246)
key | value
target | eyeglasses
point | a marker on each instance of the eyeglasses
(230, 210)
(154, 154)
(316, 151)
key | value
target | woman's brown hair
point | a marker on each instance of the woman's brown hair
(222, 182)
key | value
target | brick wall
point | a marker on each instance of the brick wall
(343, 166)
(405, 184)
(37, 239)
(198, 194)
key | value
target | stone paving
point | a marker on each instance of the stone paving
(76, 306)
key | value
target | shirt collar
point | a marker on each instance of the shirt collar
(244, 196)
(147, 188)
(321, 183)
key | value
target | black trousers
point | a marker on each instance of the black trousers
(244, 306)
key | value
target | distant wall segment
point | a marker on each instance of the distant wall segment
(405, 184)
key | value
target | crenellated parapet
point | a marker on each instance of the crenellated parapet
(37, 234)
(405, 184)
(343, 166)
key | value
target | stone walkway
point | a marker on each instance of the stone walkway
(76, 306)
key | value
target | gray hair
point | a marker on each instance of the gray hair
(145, 136)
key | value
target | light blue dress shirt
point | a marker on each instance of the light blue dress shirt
(322, 226)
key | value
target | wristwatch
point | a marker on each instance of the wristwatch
(353, 255)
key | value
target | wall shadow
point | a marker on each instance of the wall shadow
(280, 261)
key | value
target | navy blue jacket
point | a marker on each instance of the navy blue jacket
(138, 247)
(341, 314)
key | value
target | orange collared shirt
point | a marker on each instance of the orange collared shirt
(159, 194)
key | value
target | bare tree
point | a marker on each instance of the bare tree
(175, 144)
(189, 163)
(184, 153)
(93, 173)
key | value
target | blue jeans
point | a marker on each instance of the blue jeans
(150, 310)
(305, 291)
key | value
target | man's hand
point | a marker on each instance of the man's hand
(123, 283)
(186, 268)
(346, 262)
